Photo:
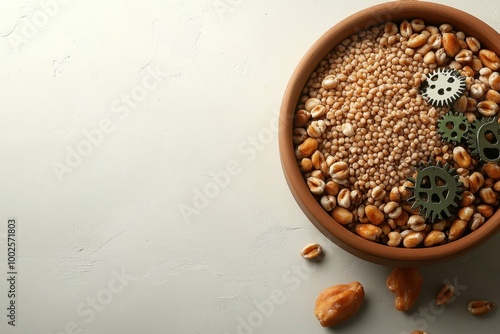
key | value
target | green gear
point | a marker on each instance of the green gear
(484, 139)
(453, 127)
(436, 191)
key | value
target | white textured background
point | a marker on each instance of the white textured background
(232, 265)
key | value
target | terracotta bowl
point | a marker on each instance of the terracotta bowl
(432, 13)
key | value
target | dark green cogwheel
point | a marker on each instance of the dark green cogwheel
(484, 139)
(453, 128)
(436, 191)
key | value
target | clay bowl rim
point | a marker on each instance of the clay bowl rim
(432, 13)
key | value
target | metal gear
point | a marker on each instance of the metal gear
(443, 87)
(453, 127)
(484, 139)
(436, 191)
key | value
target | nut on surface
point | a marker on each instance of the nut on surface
(445, 294)
(478, 307)
(406, 284)
(311, 251)
(338, 303)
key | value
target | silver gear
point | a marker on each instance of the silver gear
(443, 87)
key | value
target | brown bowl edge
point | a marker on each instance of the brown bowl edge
(367, 250)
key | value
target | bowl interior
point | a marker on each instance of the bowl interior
(396, 11)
